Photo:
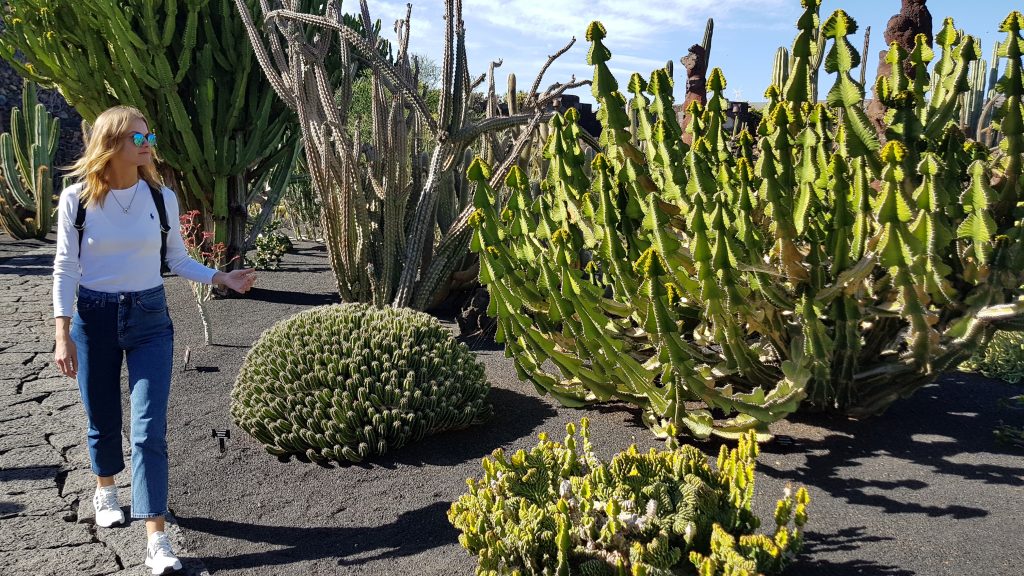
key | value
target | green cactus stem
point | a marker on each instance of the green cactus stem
(26, 168)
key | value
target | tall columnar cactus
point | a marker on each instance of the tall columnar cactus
(780, 67)
(395, 205)
(26, 164)
(225, 137)
(807, 261)
(558, 509)
(344, 382)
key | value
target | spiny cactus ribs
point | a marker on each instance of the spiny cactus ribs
(26, 169)
(558, 509)
(804, 261)
(343, 382)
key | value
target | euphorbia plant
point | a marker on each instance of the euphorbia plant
(743, 276)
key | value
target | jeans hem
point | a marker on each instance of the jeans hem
(114, 473)
(147, 516)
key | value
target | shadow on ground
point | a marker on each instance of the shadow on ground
(845, 540)
(923, 430)
(289, 297)
(27, 265)
(411, 533)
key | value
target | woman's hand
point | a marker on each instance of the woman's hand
(238, 280)
(66, 353)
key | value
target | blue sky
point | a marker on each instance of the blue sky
(643, 35)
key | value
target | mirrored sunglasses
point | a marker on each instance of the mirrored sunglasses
(138, 138)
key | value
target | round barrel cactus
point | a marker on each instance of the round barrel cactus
(346, 381)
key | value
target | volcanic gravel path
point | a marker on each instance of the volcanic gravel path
(924, 489)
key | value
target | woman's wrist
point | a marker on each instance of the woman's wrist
(63, 327)
(218, 278)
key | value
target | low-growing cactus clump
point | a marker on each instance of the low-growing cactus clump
(347, 381)
(1002, 358)
(559, 510)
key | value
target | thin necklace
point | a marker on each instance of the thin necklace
(123, 208)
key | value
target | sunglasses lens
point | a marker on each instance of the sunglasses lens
(138, 139)
(151, 138)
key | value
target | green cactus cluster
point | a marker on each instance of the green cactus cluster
(345, 382)
(224, 135)
(1003, 358)
(805, 261)
(26, 164)
(394, 199)
(558, 510)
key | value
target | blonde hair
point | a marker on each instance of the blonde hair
(103, 140)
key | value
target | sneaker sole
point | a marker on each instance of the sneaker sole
(114, 523)
(158, 571)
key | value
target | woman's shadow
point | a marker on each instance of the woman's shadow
(411, 533)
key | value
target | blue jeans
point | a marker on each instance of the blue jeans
(107, 329)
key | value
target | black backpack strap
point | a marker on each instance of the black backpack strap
(80, 225)
(161, 210)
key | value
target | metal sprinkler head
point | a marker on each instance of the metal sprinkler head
(221, 436)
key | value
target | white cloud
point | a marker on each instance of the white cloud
(628, 23)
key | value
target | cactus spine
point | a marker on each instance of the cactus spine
(26, 163)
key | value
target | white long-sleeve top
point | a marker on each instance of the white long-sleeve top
(120, 252)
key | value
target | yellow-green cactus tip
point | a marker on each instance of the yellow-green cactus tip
(717, 80)
(599, 162)
(772, 92)
(840, 24)
(660, 82)
(700, 145)
(673, 295)
(478, 170)
(1013, 23)
(893, 152)
(694, 107)
(571, 116)
(595, 31)
(637, 84)
(780, 115)
(516, 178)
(649, 264)
(802, 497)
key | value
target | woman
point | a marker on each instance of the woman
(113, 263)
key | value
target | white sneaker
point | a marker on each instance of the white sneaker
(159, 555)
(108, 509)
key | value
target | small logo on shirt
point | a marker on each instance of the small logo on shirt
(151, 216)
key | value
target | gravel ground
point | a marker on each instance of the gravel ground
(923, 489)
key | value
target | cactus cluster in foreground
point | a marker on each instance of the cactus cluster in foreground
(559, 510)
(347, 381)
